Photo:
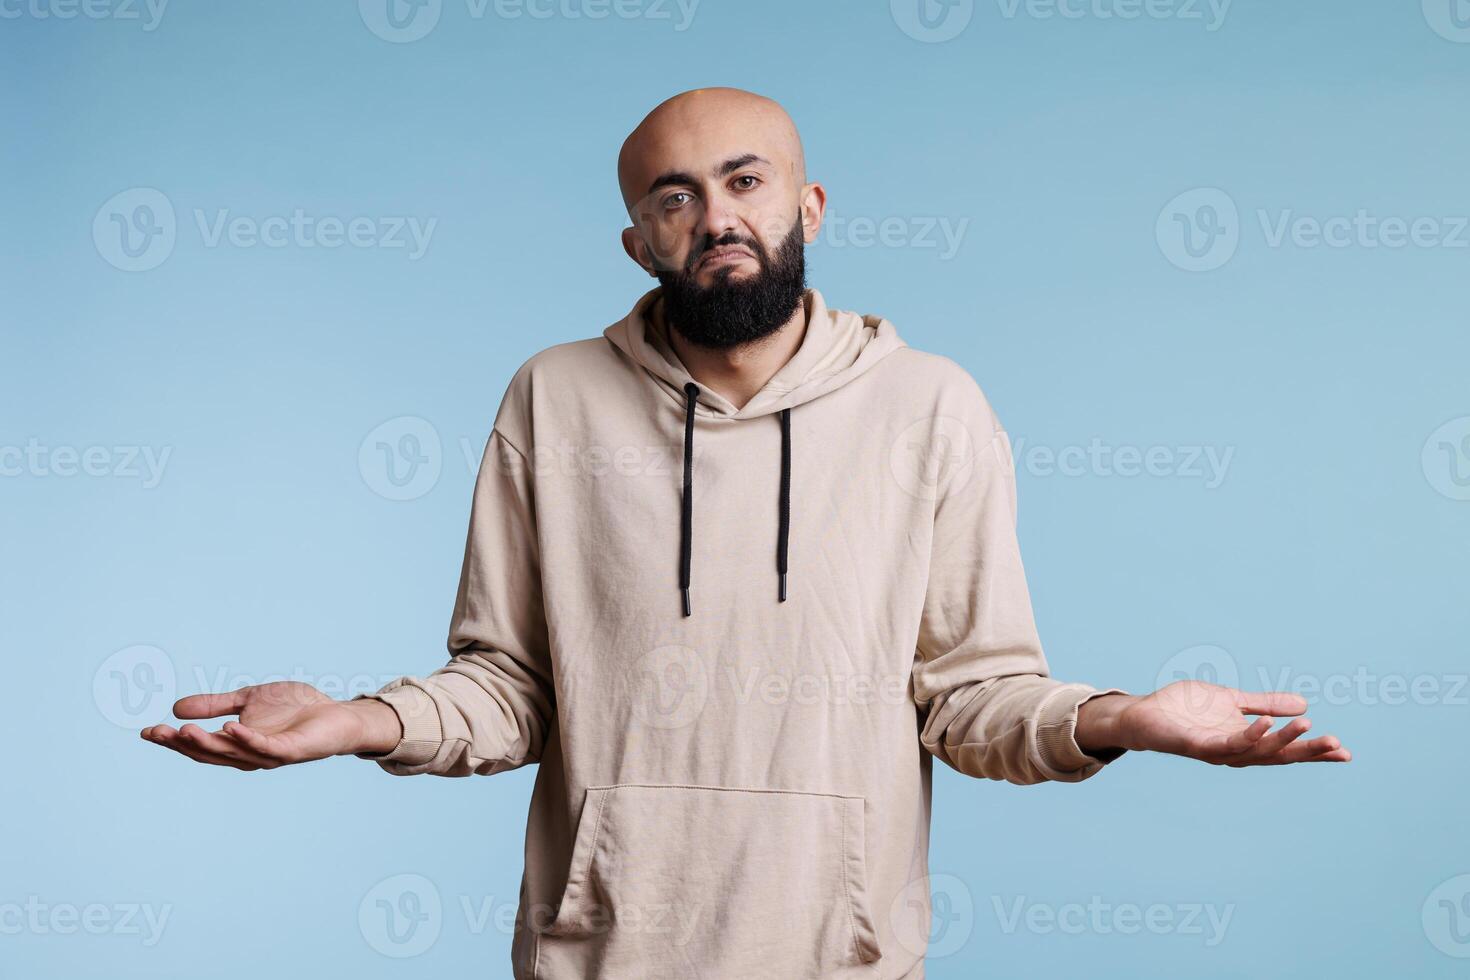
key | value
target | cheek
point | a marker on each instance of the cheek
(669, 242)
(770, 227)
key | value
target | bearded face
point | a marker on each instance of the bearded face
(733, 306)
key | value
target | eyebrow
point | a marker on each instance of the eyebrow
(679, 177)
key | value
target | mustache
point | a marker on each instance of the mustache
(723, 241)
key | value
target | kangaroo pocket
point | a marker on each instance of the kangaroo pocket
(713, 882)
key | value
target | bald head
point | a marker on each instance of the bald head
(704, 127)
(715, 185)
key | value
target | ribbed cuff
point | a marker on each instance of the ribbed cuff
(1056, 733)
(419, 716)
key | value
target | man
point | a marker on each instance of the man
(734, 670)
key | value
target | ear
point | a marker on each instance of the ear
(637, 251)
(813, 208)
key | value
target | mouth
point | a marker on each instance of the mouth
(723, 255)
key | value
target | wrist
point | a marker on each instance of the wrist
(378, 727)
(1100, 723)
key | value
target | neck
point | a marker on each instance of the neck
(739, 373)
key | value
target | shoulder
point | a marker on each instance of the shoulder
(939, 386)
(551, 376)
(570, 362)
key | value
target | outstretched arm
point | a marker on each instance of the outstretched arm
(280, 724)
(488, 710)
(1206, 722)
(992, 708)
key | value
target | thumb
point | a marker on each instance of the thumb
(1277, 704)
(212, 705)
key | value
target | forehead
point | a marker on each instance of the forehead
(699, 141)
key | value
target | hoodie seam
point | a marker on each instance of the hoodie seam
(496, 431)
(580, 882)
(842, 854)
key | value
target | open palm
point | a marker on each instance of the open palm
(1208, 722)
(281, 723)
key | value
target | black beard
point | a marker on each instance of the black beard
(729, 313)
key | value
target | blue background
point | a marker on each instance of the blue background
(1333, 548)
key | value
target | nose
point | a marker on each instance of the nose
(718, 218)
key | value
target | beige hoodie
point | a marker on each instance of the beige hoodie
(742, 791)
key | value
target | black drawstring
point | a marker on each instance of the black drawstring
(686, 516)
(686, 536)
(785, 531)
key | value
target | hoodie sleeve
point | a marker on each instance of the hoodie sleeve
(993, 711)
(489, 709)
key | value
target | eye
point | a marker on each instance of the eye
(674, 200)
(747, 182)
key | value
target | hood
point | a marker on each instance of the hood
(837, 347)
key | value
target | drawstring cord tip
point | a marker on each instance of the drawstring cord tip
(685, 594)
(783, 586)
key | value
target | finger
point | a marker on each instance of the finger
(225, 742)
(1245, 740)
(171, 740)
(271, 746)
(1323, 749)
(155, 733)
(1314, 750)
(1278, 704)
(211, 705)
(215, 743)
(1274, 742)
